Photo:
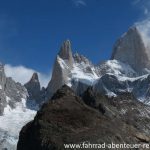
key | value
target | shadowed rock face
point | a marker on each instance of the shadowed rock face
(33, 87)
(34, 90)
(67, 119)
(111, 85)
(130, 49)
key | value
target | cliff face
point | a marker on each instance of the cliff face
(33, 87)
(61, 69)
(95, 118)
(69, 67)
(10, 91)
(131, 50)
(66, 52)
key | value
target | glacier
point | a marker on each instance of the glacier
(12, 121)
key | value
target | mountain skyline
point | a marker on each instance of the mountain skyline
(31, 36)
(74, 71)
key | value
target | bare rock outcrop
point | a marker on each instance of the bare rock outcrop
(33, 87)
(130, 49)
(67, 119)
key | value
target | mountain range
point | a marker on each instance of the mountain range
(120, 89)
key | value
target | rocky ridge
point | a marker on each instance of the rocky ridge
(35, 91)
(94, 118)
(129, 61)
(10, 92)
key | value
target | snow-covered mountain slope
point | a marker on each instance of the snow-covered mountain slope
(72, 69)
(113, 85)
(110, 77)
(83, 72)
(15, 110)
(68, 67)
(12, 121)
(116, 67)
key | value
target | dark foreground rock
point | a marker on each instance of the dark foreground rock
(67, 118)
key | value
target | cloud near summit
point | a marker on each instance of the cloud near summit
(143, 6)
(23, 74)
(143, 23)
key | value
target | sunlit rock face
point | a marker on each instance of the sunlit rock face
(131, 49)
(66, 52)
(68, 69)
(61, 68)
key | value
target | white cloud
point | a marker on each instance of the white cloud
(143, 6)
(146, 11)
(143, 24)
(135, 2)
(22, 74)
(144, 29)
(79, 3)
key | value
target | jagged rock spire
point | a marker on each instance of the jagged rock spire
(34, 77)
(33, 87)
(61, 69)
(80, 58)
(130, 49)
(66, 52)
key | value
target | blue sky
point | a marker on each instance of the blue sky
(31, 31)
